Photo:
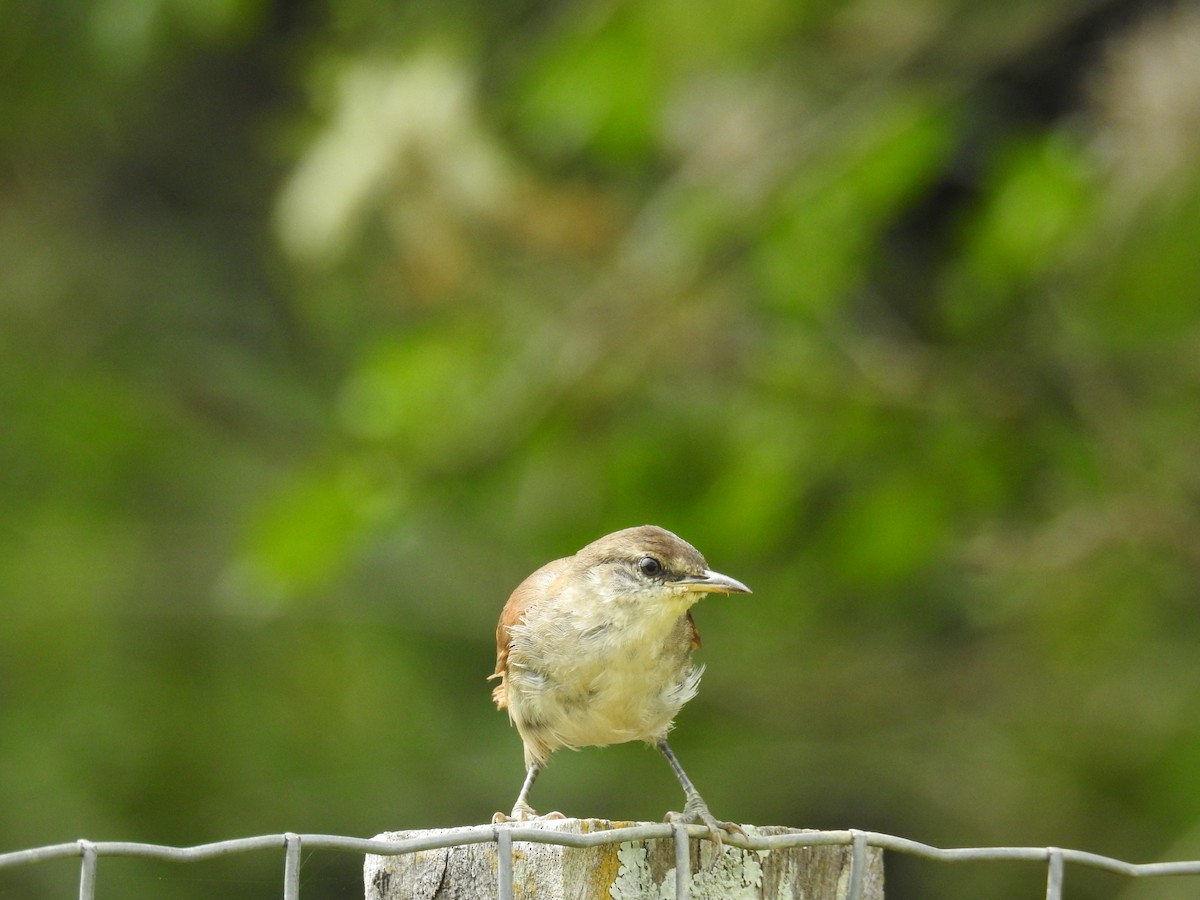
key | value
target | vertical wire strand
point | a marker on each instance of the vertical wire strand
(858, 864)
(291, 867)
(1054, 878)
(683, 862)
(87, 871)
(504, 867)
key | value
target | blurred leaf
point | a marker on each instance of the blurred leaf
(1041, 210)
(817, 247)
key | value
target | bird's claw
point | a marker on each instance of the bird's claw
(524, 814)
(696, 813)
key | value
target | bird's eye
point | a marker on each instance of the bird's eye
(649, 566)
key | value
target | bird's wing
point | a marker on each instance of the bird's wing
(693, 631)
(536, 587)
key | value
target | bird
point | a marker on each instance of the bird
(596, 649)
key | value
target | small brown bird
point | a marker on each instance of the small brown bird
(596, 649)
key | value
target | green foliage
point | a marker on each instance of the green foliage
(320, 327)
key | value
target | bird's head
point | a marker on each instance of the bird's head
(650, 563)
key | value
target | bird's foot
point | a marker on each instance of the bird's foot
(696, 813)
(522, 812)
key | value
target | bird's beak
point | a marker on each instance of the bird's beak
(712, 583)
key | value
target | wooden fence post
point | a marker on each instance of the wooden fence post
(631, 870)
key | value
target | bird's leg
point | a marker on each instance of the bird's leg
(522, 811)
(695, 810)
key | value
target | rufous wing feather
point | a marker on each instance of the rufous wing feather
(535, 586)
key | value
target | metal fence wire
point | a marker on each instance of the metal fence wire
(506, 835)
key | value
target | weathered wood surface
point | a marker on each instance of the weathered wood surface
(639, 870)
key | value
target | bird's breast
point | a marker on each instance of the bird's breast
(582, 677)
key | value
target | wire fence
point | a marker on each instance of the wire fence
(504, 836)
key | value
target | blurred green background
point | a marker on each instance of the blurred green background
(323, 323)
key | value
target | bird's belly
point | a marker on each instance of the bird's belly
(609, 704)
